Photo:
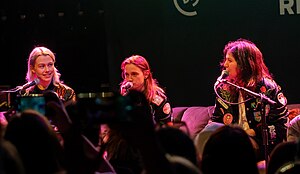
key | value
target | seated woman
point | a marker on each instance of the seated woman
(41, 66)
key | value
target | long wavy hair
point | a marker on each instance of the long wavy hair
(35, 53)
(250, 62)
(151, 84)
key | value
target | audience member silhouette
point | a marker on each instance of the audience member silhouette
(141, 132)
(80, 154)
(176, 142)
(10, 160)
(289, 168)
(202, 137)
(229, 150)
(132, 122)
(36, 141)
(182, 165)
(133, 126)
(124, 157)
(281, 154)
(287, 158)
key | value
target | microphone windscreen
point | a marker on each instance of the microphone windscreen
(36, 81)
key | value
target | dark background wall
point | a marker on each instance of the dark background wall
(92, 37)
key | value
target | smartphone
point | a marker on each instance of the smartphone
(35, 102)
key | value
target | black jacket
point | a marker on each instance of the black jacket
(276, 115)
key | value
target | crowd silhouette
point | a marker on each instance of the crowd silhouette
(30, 144)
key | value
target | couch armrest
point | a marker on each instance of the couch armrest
(177, 113)
(196, 118)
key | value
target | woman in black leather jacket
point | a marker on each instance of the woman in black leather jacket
(137, 76)
(245, 67)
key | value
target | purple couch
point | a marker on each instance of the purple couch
(197, 117)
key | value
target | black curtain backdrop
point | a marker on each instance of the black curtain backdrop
(184, 51)
(183, 41)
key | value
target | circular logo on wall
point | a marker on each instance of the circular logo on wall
(186, 7)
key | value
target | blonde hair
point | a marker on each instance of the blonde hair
(35, 53)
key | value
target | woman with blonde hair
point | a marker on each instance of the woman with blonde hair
(41, 68)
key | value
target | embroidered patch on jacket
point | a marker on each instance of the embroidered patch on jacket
(257, 116)
(157, 100)
(281, 98)
(263, 89)
(227, 119)
(253, 105)
(167, 108)
(272, 132)
(222, 103)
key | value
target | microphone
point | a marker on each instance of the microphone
(223, 75)
(127, 85)
(29, 84)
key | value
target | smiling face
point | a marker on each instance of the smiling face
(43, 69)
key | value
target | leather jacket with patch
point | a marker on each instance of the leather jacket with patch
(276, 115)
(64, 92)
(161, 109)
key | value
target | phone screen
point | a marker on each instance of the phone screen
(36, 103)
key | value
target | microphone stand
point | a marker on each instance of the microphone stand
(264, 100)
(13, 93)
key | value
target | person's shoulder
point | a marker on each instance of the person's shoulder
(161, 92)
(159, 97)
(269, 83)
(271, 88)
(64, 86)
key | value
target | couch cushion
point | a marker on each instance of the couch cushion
(177, 113)
(196, 118)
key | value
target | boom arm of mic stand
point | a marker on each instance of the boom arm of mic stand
(257, 95)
